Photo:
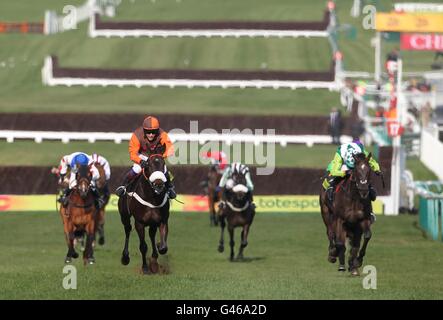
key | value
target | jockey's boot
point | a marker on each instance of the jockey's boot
(330, 190)
(99, 199)
(372, 193)
(170, 186)
(64, 198)
(121, 190)
(368, 209)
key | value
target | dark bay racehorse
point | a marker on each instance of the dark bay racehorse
(238, 212)
(80, 216)
(146, 200)
(213, 195)
(348, 216)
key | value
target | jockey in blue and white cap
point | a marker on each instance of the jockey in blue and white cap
(73, 161)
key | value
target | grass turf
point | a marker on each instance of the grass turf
(285, 259)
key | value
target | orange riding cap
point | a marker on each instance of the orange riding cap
(151, 123)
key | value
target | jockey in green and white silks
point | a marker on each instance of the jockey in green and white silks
(227, 183)
(344, 161)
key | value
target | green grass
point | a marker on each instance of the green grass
(213, 10)
(286, 259)
(25, 153)
(22, 10)
(419, 170)
(21, 59)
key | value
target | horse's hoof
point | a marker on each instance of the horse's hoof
(332, 259)
(75, 255)
(240, 258)
(145, 270)
(125, 260)
(68, 260)
(91, 261)
(355, 272)
(341, 268)
(154, 267)
(231, 258)
(101, 241)
(162, 250)
(221, 248)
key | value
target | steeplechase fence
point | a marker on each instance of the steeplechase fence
(431, 216)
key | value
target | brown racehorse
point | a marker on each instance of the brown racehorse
(103, 190)
(238, 212)
(213, 194)
(80, 215)
(147, 201)
(348, 216)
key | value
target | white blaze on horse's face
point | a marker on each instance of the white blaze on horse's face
(363, 168)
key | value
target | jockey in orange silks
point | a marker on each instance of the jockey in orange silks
(147, 140)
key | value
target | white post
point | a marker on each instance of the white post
(396, 144)
(377, 44)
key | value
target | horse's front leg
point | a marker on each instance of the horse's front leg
(332, 256)
(88, 254)
(126, 221)
(367, 234)
(154, 264)
(101, 227)
(353, 262)
(163, 246)
(244, 240)
(221, 245)
(231, 241)
(140, 228)
(340, 243)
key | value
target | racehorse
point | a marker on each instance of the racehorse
(213, 194)
(103, 190)
(238, 212)
(348, 216)
(146, 200)
(80, 215)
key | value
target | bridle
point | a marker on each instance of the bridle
(157, 190)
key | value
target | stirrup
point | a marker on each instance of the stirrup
(120, 191)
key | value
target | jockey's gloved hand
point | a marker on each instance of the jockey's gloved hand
(144, 164)
(378, 173)
(62, 177)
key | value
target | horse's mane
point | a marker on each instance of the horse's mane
(83, 171)
(360, 156)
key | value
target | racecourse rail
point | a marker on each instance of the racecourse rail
(118, 137)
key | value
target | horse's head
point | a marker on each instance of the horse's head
(83, 180)
(361, 174)
(239, 189)
(155, 173)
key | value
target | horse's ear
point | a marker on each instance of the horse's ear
(369, 156)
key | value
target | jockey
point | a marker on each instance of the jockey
(147, 140)
(71, 161)
(344, 161)
(227, 183)
(96, 158)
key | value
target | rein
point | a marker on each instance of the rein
(237, 209)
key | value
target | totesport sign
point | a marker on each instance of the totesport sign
(191, 203)
(409, 22)
(421, 41)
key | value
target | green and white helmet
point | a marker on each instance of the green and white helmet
(347, 152)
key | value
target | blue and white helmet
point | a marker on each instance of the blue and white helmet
(347, 152)
(81, 159)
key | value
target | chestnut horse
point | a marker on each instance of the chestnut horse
(80, 215)
(147, 201)
(348, 216)
(213, 194)
(238, 212)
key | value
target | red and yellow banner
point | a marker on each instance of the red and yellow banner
(409, 22)
(421, 41)
(191, 203)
